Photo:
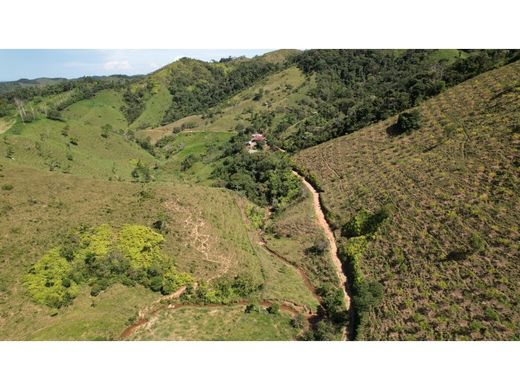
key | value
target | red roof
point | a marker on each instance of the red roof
(257, 137)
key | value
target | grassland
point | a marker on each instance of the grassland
(282, 92)
(76, 144)
(448, 257)
(229, 323)
(155, 108)
(294, 233)
(205, 231)
(202, 148)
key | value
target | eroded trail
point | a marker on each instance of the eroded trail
(338, 266)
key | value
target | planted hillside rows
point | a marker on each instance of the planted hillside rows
(446, 259)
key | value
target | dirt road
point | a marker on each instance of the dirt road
(330, 236)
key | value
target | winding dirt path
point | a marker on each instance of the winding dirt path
(330, 236)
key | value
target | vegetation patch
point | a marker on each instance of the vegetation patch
(101, 257)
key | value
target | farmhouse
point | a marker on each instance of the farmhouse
(252, 144)
(257, 137)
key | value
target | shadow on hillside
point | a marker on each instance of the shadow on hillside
(394, 130)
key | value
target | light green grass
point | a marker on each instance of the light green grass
(42, 143)
(225, 323)
(155, 108)
(203, 146)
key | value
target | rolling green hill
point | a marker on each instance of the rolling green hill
(130, 207)
(447, 255)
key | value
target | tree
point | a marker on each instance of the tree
(409, 121)
(141, 173)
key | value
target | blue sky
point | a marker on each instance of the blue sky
(30, 64)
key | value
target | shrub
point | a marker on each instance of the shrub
(274, 309)
(188, 162)
(408, 121)
(106, 130)
(49, 283)
(54, 115)
(101, 257)
(141, 173)
(7, 187)
(364, 223)
(317, 249)
(366, 295)
(298, 321)
(141, 245)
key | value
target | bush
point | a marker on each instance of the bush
(188, 162)
(7, 187)
(54, 115)
(274, 309)
(364, 223)
(366, 295)
(101, 257)
(141, 173)
(49, 280)
(408, 121)
(298, 321)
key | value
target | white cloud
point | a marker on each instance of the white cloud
(117, 65)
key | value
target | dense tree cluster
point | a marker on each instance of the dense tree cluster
(264, 177)
(101, 257)
(359, 87)
(196, 86)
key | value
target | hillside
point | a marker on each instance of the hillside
(447, 254)
(205, 230)
(139, 207)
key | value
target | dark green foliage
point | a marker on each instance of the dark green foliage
(317, 249)
(323, 331)
(333, 304)
(298, 321)
(408, 121)
(5, 107)
(141, 173)
(146, 145)
(196, 86)
(188, 162)
(356, 88)
(263, 177)
(134, 103)
(7, 187)
(365, 295)
(365, 223)
(252, 308)
(225, 291)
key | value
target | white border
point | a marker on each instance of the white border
(269, 23)
(262, 365)
(246, 24)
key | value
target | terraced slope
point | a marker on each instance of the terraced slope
(448, 255)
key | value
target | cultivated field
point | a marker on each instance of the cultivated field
(448, 255)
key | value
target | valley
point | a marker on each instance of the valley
(298, 195)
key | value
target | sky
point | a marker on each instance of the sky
(34, 63)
